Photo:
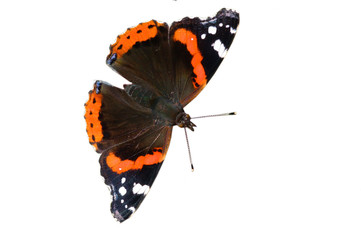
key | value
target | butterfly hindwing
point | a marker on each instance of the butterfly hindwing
(113, 117)
(142, 56)
(130, 169)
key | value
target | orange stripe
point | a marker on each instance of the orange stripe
(119, 166)
(140, 33)
(190, 40)
(93, 125)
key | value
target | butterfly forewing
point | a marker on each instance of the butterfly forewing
(131, 168)
(198, 48)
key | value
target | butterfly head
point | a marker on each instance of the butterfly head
(184, 120)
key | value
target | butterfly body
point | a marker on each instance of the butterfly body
(166, 111)
(132, 127)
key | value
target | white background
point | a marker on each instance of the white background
(288, 166)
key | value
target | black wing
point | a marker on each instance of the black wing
(198, 48)
(176, 63)
(132, 144)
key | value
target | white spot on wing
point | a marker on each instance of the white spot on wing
(233, 31)
(139, 189)
(221, 24)
(146, 189)
(203, 36)
(219, 47)
(123, 180)
(132, 209)
(136, 188)
(122, 201)
(122, 191)
(227, 26)
(212, 30)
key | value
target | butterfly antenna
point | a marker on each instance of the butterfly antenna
(189, 150)
(216, 115)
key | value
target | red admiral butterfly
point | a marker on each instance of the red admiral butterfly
(132, 127)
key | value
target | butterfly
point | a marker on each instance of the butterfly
(132, 127)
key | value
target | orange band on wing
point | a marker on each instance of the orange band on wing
(119, 166)
(140, 33)
(93, 125)
(190, 40)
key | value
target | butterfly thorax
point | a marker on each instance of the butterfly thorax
(169, 112)
(166, 111)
